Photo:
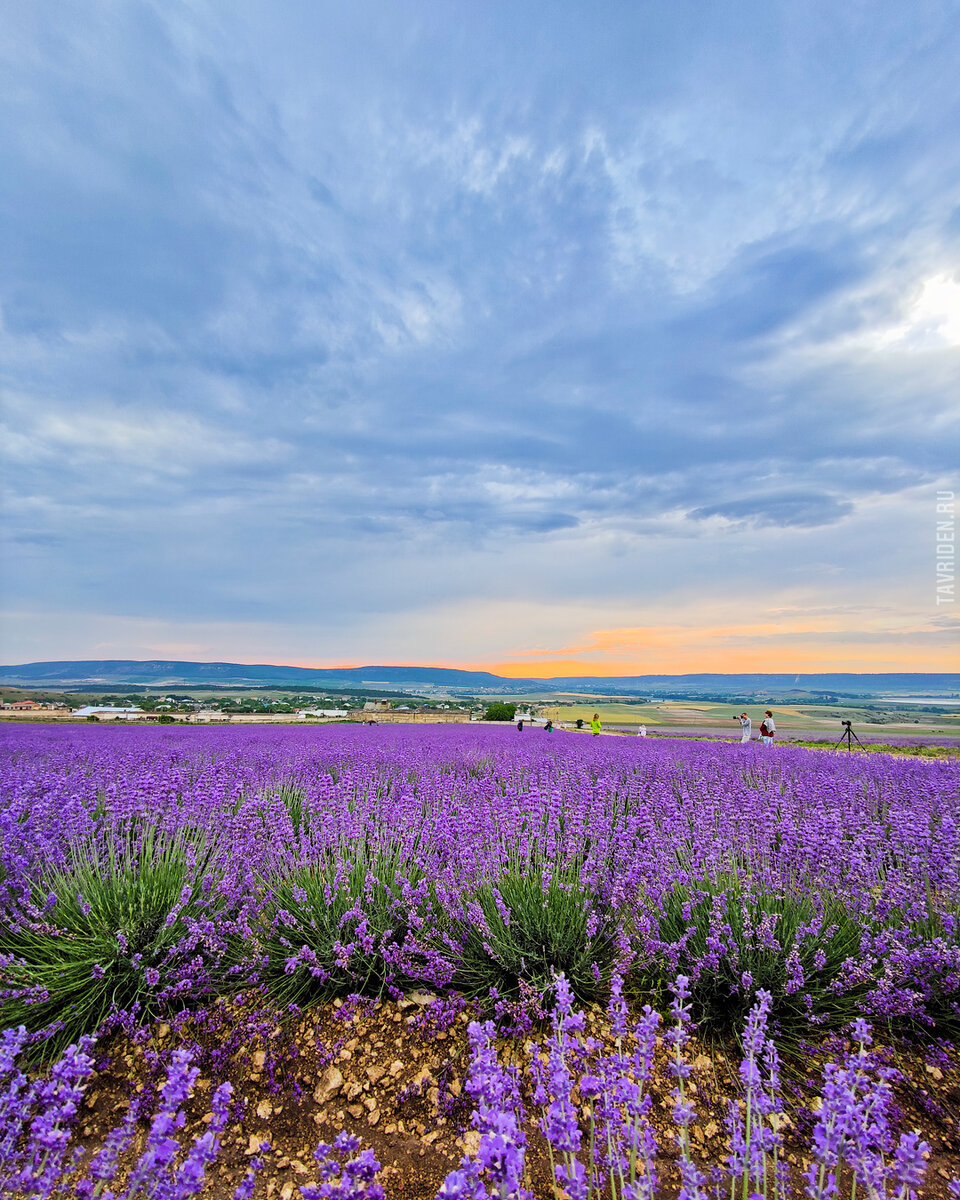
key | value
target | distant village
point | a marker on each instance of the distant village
(185, 709)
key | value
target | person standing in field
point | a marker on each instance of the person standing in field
(746, 727)
(768, 728)
(642, 731)
(595, 725)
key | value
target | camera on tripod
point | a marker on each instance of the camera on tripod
(848, 736)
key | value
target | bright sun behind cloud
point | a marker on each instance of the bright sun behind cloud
(932, 320)
(939, 308)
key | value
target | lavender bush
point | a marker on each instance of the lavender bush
(531, 923)
(343, 925)
(732, 940)
(128, 922)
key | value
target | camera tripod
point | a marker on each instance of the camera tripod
(849, 737)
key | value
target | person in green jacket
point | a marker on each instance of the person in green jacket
(595, 725)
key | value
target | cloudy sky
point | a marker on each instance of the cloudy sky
(549, 338)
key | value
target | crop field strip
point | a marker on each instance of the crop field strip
(767, 898)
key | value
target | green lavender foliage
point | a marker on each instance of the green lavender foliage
(111, 930)
(537, 925)
(732, 939)
(938, 924)
(342, 925)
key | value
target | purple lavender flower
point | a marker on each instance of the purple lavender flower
(156, 1161)
(244, 1189)
(347, 1173)
(910, 1165)
(54, 1103)
(498, 1117)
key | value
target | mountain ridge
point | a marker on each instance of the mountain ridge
(176, 672)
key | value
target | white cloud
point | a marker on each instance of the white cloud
(163, 441)
(475, 157)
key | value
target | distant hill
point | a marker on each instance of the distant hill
(160, 672)
(115, 673)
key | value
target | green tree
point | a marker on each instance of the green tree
(500, 711)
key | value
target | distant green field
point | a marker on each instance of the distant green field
(789, 718)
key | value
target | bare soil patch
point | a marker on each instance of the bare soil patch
(387, 1073)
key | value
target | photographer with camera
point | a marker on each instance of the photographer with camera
(746, 727)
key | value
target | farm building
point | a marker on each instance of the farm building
(107, 711)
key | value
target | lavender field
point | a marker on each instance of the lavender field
(783, 892)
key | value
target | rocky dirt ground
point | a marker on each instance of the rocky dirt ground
(392, 1072)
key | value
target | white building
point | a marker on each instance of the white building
(107, 710)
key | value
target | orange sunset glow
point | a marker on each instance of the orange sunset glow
(731, 649)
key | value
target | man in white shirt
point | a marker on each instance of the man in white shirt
(746, 727)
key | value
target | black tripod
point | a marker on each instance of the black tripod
(849, 737)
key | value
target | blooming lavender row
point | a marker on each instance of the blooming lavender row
(591, 1106)
(833, 881)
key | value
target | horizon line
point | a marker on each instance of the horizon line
(498, 669)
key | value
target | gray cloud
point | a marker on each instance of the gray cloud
(806, 511)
